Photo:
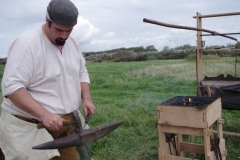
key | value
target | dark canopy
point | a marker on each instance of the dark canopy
(228, 88)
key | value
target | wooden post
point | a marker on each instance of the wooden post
(199, 52)
(208, 91)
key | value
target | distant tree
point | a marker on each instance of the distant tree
(151, 48)
(165, 48)
(230, 45)
(237, 45)
(137, 49)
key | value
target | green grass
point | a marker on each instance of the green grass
(130, 92)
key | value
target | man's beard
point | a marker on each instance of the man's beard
(60, 41)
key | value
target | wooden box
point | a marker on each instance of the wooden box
(189, 116)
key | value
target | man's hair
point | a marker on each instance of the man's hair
(62, 12)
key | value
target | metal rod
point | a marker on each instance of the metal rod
(185, 27)
(218, 15)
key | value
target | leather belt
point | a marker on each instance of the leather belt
(36, 121)
(31, 120)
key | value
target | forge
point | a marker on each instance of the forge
(190, 101)
(193, 116)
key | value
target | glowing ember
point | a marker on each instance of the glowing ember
(190, 100)
(187, 101)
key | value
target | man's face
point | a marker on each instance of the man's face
(58, 34)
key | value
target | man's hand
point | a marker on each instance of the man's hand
(88, 106)
(22, 99)
(52, 121)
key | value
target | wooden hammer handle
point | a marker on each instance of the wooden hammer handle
(65, 123)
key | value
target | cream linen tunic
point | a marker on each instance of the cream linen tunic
(52, 77)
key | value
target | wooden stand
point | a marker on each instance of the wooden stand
(190, 121)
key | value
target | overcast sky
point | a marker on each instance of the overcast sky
(109, 24)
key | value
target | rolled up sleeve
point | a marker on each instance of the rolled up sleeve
(17, 73)
(83, 75)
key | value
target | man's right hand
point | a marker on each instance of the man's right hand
(52, 121)
(22, 99)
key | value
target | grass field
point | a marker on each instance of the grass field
(130, 92)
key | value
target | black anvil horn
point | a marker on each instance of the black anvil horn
(85, 136)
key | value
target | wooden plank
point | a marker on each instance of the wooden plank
(158, 114)
(207, 146)
(208, 91)
(181, 116)
(182, 130)
(159, 153)
(199, 93)
(214, 112)
(169, 157)
(220, 121)
(164, 148)
(219, 83)
(178, 143)
(211, 156)
(222, 149)
(192, 148)
(228, 133)
(199, 70)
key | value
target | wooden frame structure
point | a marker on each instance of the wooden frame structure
(199, 72)
(199, 29)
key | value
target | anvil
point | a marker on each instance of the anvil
(80, 136)
(76, 139)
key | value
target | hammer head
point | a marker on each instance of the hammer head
(88, 135)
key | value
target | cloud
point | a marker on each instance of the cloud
(109, 35)
(84, 31)
(109, 24)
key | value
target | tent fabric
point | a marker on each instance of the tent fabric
(230, 94)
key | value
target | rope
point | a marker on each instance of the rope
(215, 148)
(170, 138)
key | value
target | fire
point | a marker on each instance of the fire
(187, 101)
(190, 100)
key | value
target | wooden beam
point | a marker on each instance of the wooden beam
(186, 27)
(219, 15)
(217, 34)
(221, 49)
(192, 148)
(228, 133)
(208, 91)
(169, 157)
(199, 71)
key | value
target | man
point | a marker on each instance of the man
(45, 79)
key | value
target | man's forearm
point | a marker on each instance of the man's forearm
(87, 99)
(22, 99)
(85, 91)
